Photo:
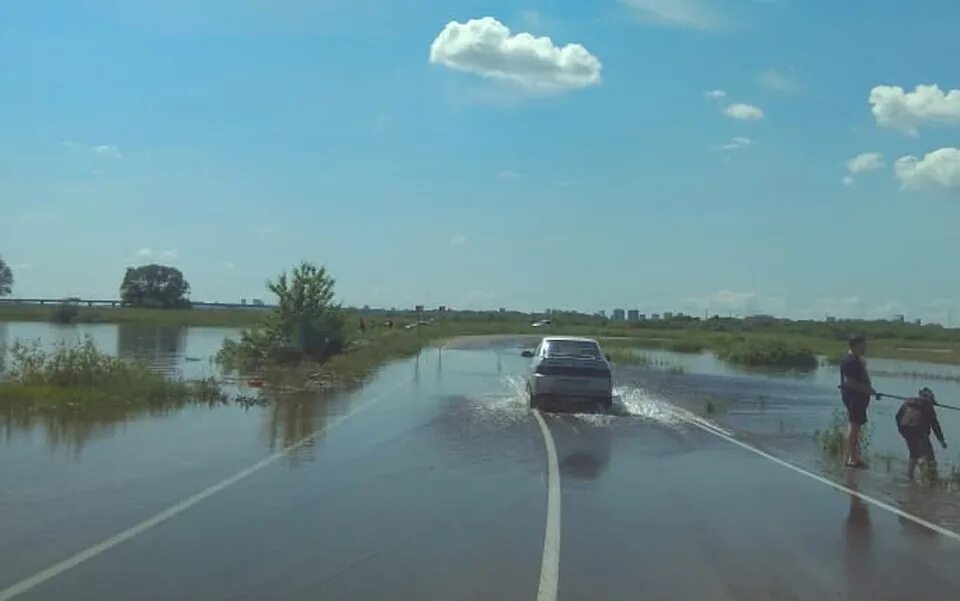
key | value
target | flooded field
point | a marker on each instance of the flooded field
(429, 479)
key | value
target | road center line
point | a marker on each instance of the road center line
(89, 553)
(550, 566)
(835, 485)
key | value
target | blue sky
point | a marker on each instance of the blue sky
(426, 157)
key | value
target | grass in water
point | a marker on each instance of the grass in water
(833, 438)
(768, 353)
(79, 374)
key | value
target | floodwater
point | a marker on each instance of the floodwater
(430, 482)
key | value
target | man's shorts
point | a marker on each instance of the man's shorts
(918, 443)
(856, 410)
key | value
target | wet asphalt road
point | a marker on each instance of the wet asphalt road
(435, 487)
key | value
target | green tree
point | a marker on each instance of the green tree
(307, 316)
(6, 278)
(154, 286)
(306, 322)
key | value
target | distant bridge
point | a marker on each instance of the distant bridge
(98, 302)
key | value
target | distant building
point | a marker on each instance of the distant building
(258, 302)
(900, 318)
(917, 322)
(655, 317)
(668, 315)
(633, 315)
(602, 313)
(618, 315)
(643, 317)
(243, 301)
(502, 310)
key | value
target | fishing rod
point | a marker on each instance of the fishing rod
(903, 398)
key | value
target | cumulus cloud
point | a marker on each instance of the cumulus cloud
(938, 169)
(715, 94)
(736, 143)
(743, 112)
(867, 161)
(487, 48)
(895, 108)
(689, 14)
(779, 81)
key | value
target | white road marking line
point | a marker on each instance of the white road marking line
(790, 466)
(550, 566)
(89, 553)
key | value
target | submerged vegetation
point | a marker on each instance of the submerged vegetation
(832, 439)
(768, 353)
(78, 373)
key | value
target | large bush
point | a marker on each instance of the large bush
(307, 322)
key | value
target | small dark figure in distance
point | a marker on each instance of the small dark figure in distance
(915, 419)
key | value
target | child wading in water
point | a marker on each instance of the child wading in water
(915, 419)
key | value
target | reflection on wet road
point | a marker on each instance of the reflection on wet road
(434, 487)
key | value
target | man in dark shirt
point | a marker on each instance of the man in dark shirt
(855, 390)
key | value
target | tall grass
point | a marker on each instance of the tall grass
(80, 373)
(768, 353)
(833, 438)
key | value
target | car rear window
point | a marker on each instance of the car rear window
(573, 348)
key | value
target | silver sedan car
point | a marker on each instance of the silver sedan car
(568, 371)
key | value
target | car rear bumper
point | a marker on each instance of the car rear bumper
(572, 402)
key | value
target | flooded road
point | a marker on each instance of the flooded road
(433, 482)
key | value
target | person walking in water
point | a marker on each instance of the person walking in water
(915, 419)
(855, 390)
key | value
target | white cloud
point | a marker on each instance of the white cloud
(897, 109)
(743, 112)
(111, 150)
(506, 174)
(715, 94)
(847, 180)
(458, 240)
(486, 47)
(736, 143)
(779, 81)
(107, 149)
(733, 301)
(149, 253)
(867, 161)
(938, 169)
(690, 14)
